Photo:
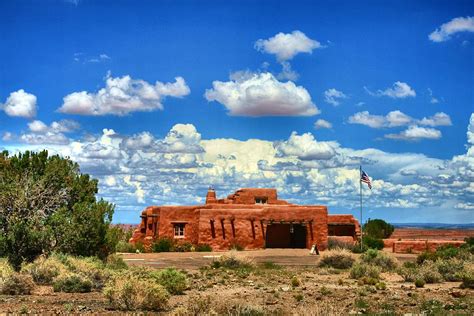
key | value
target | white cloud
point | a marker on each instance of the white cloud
(37, 126)
(397, 118)
(439, 119)
(456, 25)
(287, 73)
(261, 95)
(433, 100)
(306, 147)
(123, 95)
(414, 133)
(303, 170)
(7, 136)
(20, 103)
(286, 46)
(322, 124)
(399, 90)
(365, 118)
(333, 96)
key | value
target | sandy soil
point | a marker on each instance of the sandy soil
(319, 292)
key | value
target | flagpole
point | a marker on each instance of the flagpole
(361, 220)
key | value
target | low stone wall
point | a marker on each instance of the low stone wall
(419, 246)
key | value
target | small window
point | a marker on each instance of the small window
(179, 230)
(261, 200)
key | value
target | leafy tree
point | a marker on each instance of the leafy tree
(46, 204)
(378, 228)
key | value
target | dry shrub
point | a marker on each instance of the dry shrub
(233, 260)
(450, 269)
(467, 278)
(380, 259)
(5, 269)
(129, 293)
(72, 283)
(115, 262)
(90, 267)
(429, 272)
(17, 284)
(360, 270)
(44, 270)
(337, 258)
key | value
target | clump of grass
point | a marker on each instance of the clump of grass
(130, 293)
(72, 283)
(299, 297)
(270, 265)
(115, 262)
(420, 282)
(337, 258)
(17, 284)
(380, 259)
(203, 248)
(325, 291)
(360, 270)
(295, 282)
(233, 261)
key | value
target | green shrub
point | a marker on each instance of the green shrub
(185, 246)
(420, 282)
(90, 267)
(17, 284)
(232, 261)
(72, 283)
(172, 280)
(337, 258)
(163, 244)
(360, 270)
(381, 259)
(125, 246)
(5, 269)
(204, 248)
(381, 286)
(129, 293)
(115, 262)
(378, 228)
(358, 249)
(372, 242)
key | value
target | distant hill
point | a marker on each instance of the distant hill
(433, 225)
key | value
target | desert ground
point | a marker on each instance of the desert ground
(283, 282)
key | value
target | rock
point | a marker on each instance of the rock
(457, 294)
(285, 288)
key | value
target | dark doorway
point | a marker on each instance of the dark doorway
(285, 236)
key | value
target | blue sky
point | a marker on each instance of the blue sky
(198, 93)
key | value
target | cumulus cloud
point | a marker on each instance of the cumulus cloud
(456, 25)
(306, 147)
(41, 133)
(439, 119)
(333, 96)
(398, 118)
(285, 46)
(20, 103)
(7, 136)
(133, 174)
(365, 118)
(322, 124)
(414, 133)
(399, 90)
(123, 95)
(261, 94)
(287, 73)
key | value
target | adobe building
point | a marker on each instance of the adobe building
(251, 218)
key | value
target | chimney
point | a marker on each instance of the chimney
(211, 196)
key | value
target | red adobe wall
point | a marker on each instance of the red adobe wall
(315, 219)
(345, 219)
(419, 246)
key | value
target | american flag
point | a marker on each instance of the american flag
(365, 178)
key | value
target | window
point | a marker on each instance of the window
(179, 230)
(261, 200)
